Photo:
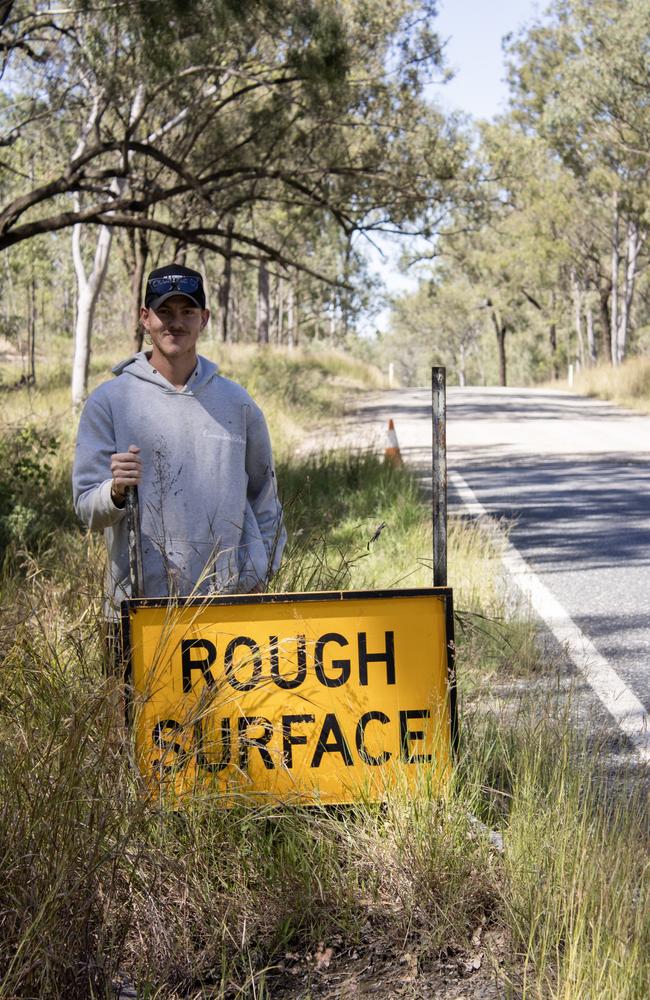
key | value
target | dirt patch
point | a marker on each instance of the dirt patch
(376, 972)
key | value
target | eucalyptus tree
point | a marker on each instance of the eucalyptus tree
(188, 121)
(579, 79)
(541, 227)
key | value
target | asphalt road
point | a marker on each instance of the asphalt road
(571, 477)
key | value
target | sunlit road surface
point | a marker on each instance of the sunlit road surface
(571, 477)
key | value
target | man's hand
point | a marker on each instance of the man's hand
(126, 469)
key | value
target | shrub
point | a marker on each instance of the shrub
(27, 493)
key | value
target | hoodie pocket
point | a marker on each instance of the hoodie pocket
(253, 557)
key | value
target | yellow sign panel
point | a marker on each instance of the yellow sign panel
(308, 698)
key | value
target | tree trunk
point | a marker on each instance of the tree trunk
(82, 333)
(633, 246)
(273, 308)
(577, 314)
(461, 366)
(207, 330)
(615, 269)
(263, 303)
(501, 342)
(280, 309)
(501, 330)
(31, 329)
(591, 339)
(552, 339)
(141, 253)
(31, 310)
(89, 288)
(226, 285)
(68, 308)
(291, 314)
(605, 323)
(296, 311)
(346, 311)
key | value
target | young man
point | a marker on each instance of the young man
(196, 446)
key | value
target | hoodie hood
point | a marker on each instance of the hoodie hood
(140, 366)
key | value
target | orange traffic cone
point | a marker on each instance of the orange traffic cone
(392, 454)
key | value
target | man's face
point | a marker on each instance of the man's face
(174, 328)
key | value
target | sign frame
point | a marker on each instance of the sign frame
(130, 605)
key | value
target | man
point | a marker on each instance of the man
(196, 446)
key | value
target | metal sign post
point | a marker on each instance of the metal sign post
(439, 474)
(136, 572)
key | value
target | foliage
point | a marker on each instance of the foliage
(296, 100)
(558, 256)
(578, 81)
(264, 136)
(31, 498)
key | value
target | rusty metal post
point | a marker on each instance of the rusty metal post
(439, 474)
(136, 572)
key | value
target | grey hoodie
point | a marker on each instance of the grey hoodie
(211, 518)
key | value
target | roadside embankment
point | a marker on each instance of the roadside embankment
(627, 385)
(410, 899)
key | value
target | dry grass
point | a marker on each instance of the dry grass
(628, 385)
(99, 882)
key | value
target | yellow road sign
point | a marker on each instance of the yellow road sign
(318, 697)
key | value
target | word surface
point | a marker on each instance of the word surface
(309, 699)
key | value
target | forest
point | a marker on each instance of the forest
(548, 265)
(275, 145)
(258, 140)
(271, 144)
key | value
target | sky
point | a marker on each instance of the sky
(471, 31)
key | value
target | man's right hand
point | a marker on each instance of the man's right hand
(126, 469)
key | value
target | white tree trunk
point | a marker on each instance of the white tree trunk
(615, 270)
(461, 365)
(81, 362)
(89, 288)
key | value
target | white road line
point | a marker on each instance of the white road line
(621, 703)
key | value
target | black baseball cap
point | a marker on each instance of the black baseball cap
(174, 279)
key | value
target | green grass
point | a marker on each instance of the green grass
(97, 881)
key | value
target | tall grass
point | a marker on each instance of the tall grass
(628, 385)
(574, 885)
(98, 883)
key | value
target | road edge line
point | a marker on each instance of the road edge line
(621, 703)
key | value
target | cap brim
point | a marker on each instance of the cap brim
(155, 303)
